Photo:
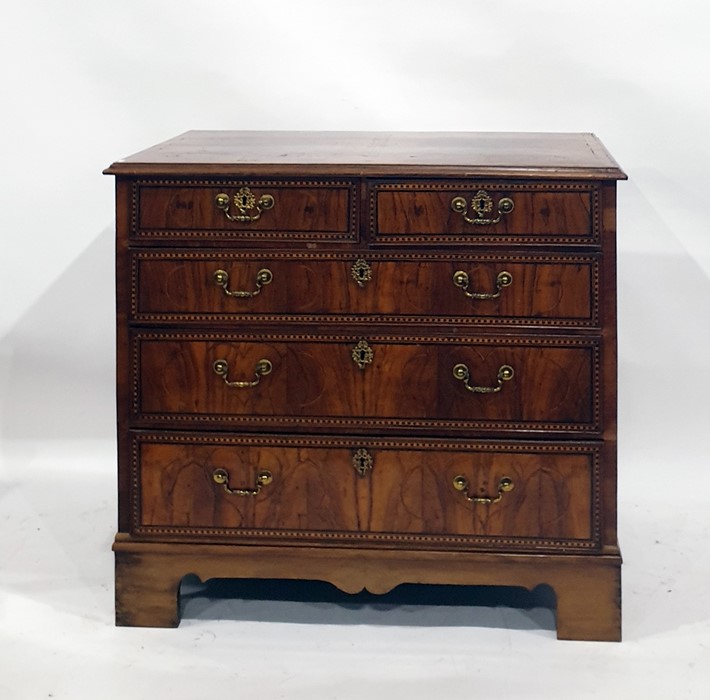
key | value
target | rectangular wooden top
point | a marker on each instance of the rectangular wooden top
(363, 153)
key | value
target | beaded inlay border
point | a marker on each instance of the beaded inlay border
(222, 234)
(382, 538)
(476, 237)
(265, 257)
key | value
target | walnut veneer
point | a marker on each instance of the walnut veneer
(369, 359)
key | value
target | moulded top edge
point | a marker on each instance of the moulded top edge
(363, 154)
(233, 171)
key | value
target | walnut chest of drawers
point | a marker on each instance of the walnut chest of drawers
(368, 359)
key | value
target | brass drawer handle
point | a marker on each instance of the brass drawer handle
(482, 204)
(263, 367)
(505, 372)
(221, 476)
(504, 279)
(504, 486)
(245, 202)
(263, 277)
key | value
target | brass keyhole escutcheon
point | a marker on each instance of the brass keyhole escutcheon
(361, 272)
(478, 210)
(362, 354)
(245, 202)
(362, 462)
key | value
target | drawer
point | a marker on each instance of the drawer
(244, 210)
(460, 494)
(384, 382)
(475, 212)
(266, 286)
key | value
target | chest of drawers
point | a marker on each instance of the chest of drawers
(368, 359)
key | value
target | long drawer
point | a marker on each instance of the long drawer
(225, 285)
(460, 494)
(337, 381)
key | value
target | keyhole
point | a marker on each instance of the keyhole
(362, 462)
(243, 200)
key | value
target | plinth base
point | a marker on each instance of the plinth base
(587, 588)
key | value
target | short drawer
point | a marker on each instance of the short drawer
(451, 493)
(475, 212)
(384, 382)
(260, 210)
(372, 288)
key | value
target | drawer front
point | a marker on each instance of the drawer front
(385, 382)
(249, 210)
(460, 494)
(495, 213)
(196, 286)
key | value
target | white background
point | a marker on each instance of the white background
(85, 83)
